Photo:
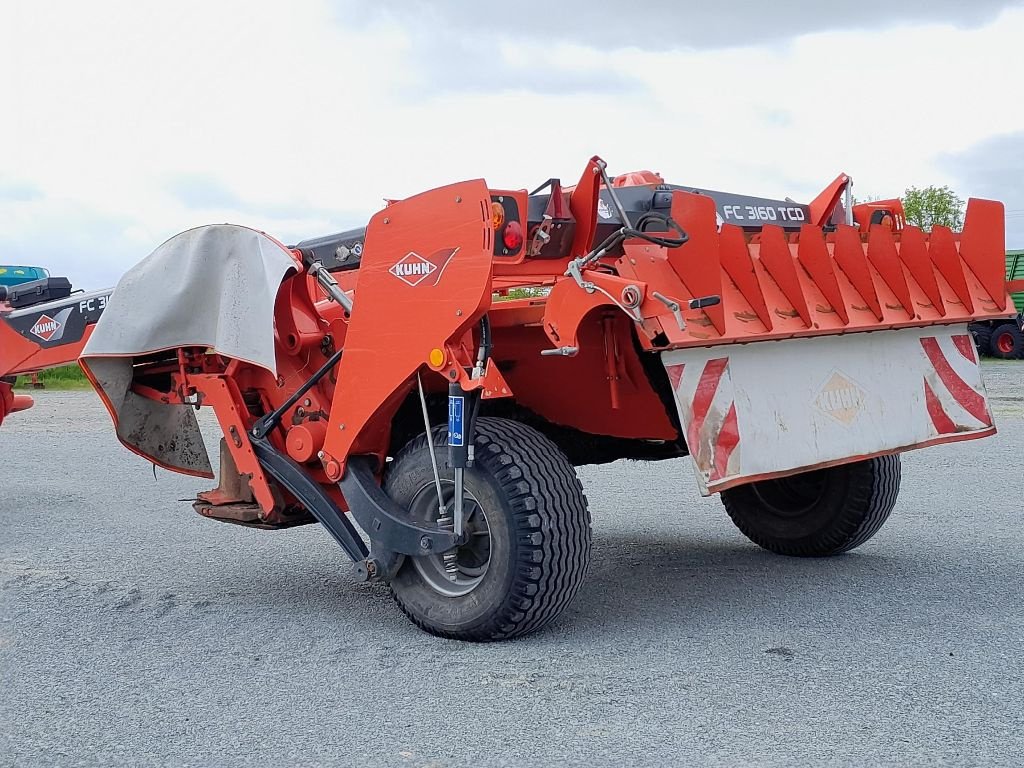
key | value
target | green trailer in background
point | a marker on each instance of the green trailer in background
(1015, 271)
(1004, 338)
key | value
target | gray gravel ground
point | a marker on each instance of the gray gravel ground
(133, 632)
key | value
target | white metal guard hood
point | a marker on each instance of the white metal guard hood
(213, 287)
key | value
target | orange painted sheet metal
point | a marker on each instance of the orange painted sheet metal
(739, 267)
(813, 255)
(640, 415)
(773, 286)
(885, 258)
(851, 258)
(47, 334)
(19, 354)
(40, 357)
(942, 248)
(824, 204)
(984, 234)
(914, 254)
(583, 205)
(775, 255)
(426, 262)
(221, 392)
(15, 350)
(697, 261)
(567, 305)
(10, 402)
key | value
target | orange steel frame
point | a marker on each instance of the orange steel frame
(772, 286)
(18, 356)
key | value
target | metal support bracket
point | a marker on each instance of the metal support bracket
(386, 523)
(312, 496)
(675, 308)
(330, 285)
(560, 352)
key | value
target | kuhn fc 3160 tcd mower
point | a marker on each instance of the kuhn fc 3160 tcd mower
(397, 385)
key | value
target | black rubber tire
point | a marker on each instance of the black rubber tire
(1012, 333)
(982, 338)
(819, 513)
(540, 534)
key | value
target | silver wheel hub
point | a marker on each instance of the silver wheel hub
(457, 572)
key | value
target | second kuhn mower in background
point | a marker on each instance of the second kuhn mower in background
(383, 374)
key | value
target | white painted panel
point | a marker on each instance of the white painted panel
(777, 407)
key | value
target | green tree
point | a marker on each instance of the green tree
(930, 206)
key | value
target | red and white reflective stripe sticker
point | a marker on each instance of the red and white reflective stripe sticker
(953, 404)
(706, 398)
(675, 374)
(965, 346)
(725, 446)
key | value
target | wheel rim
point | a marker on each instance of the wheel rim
(472, 559)
(1004, 343)
(793, 496)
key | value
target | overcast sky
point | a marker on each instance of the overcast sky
(123, 123)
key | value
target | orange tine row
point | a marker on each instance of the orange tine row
(839, 281)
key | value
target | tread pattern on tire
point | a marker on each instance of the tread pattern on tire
(870, 498)
(885, 487)
(551, 520)
(983, 340)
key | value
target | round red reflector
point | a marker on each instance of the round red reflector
(512, 235)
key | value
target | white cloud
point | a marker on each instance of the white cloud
(670, 24)
(108, 103)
